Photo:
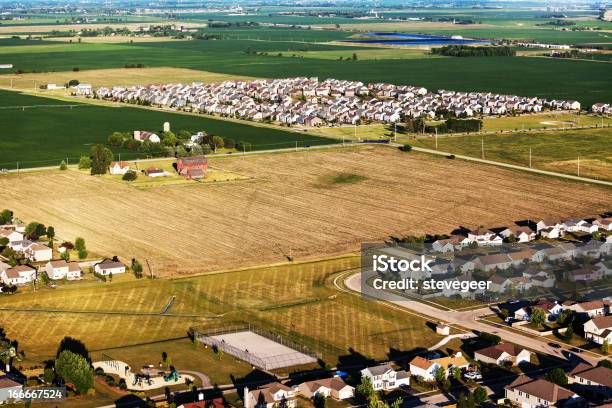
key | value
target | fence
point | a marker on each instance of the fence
(300, 355)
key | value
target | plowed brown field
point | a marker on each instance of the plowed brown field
(305, 204)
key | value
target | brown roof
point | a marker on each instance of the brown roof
(6, 382)
(603, 322)
(335, 383)
(497, 350)
(421, 362)
(600, 375)
(59, 263)
(593, 305)
(540, 388)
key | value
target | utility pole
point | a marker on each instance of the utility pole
(436, 138)
(355, 130)
(395, 131)
(482, 148)
(530, 157)
(296, 146)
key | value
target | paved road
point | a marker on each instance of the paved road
(468, 319)
(509, 166)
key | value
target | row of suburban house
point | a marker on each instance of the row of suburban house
(525, 391)
(544, 228)
(20, 275)
(306, 101)
(596, 313)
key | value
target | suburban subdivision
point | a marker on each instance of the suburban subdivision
(266, 204)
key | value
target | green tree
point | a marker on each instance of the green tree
(63, 165)
(6, 216)
(440, 375)
(605, 347)
(365, 390)
(319, 400)
(79, 244)
(75, 369)
(129, 175)
(564, 317)
(49, 375)
(101, 157)
(83, 254)
(50, 232)
(457, 373)
(538, 316)
(65, 256)
(84, 162)
(217, 142)
(137, 268)
(35, 230)
(569, 333)
(557, 376)
(480, 395)
(116, 139)
(4, 241)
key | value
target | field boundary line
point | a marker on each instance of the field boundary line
(509, 166)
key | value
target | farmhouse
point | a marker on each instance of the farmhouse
(527, 392)
(383, 377)
(142, 135)
(108, 266)
(599, 329)
(19, 275)
(118, 168)
(192, 167)
(269, 396)
(328, 387)
(63, 270)
(501, 354)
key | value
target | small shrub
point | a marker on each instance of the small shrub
(130, 176)
(63, 165)
(451, 156)
(406, 148)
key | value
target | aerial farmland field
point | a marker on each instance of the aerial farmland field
(45, 135)
(584, 81)
(305, 204)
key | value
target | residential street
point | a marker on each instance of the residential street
(468, 319)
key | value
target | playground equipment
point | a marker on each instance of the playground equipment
(174, 375)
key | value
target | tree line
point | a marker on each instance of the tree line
(467, 51)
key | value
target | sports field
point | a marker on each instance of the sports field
(45, 133)
(285, 209)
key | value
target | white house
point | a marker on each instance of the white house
(269, 396)
(11, 235)
(333, 387)
(522, 234)
(38, 252)
(108, 266)
(599, 329)
(527, 392)
(118, 168)
(19, 275)
(592, 380)
(8, 387)
(383, 377)
(503, 354)
(63, 270)
(426, 368)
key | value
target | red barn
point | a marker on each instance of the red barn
(192, 167)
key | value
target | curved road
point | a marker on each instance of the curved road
(468, 319)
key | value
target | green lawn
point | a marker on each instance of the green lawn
(296, 301)
(43, 136)
(556, 151)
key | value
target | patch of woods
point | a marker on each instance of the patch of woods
(450, 125)
(468, 51)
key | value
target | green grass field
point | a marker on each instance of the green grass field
(297, 301)
(550, 78)
(45, 135)
(550, 150)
